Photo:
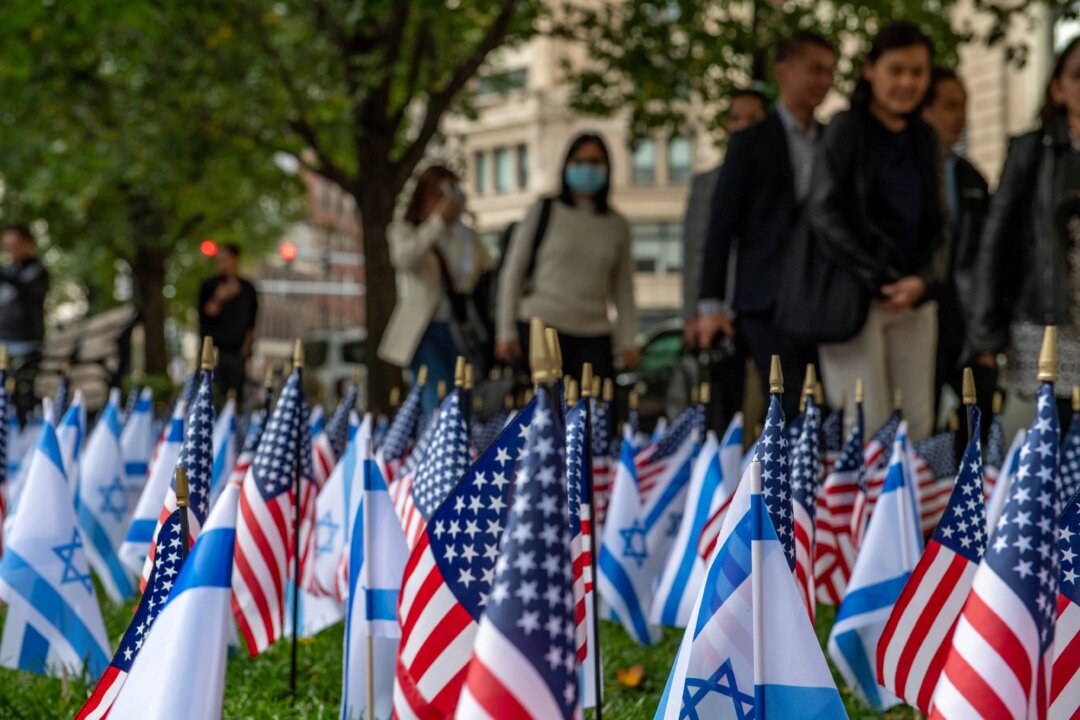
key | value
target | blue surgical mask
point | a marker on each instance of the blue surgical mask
(586, 177)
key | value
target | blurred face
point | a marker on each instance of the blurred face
(899, 79)
(17, 247)
(948, 113)
(806, 78)
(589, 153)
(1066, 88)
(745, 110)
(227, 263)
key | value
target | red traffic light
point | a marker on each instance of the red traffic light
(287, 251)
(208, 248)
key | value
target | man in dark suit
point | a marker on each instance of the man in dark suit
(968, 200)
(757, 205)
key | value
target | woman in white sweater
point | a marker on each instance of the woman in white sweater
(572, 272)
(430, 246)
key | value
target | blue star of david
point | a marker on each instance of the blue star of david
(697, 689)
(676, 520)
(117, 509)
(636, 550)
(326, 523)
(67, 553)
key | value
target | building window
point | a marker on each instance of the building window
(480, 172)
(680, 160)
(504, 170)
(523, 166)
(645, 162)
(503, 83)
(657, 247)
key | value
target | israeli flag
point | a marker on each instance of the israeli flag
(137, 445)
(180, 671)
(225, 449)
(54, 623)
(377, 556)
(627, 569)
(102, 503)
(712, 485)
(136, 545)
(891, 548)
(331, 510)
(70, 433)
(747, 652)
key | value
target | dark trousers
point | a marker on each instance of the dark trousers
(576, 351)
(231, 374)
(760, 340)
(728, 379)
(950, 372)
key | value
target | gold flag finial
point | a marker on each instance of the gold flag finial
(207, 354)
(421, 376)
(587, 380)
(268, 376)
(356, 376)
(5, 358)
(632, 401)
(809, 381)
(706, 393)
(597, 386)
(137, 376)
(968, 387)
(1076, 398)
(551, 337)
(182, 495)
(298, 355)
(477, 403)
(527, 396)
(395, 396)
(539, 353)
(898, 399)
(440, 390)
(609, 390)
(860, 390)
(469, 378)
(571, 392)
(9, 386)
(508, 401)
(954, 421)
(459, 372)
(802, 403)
(1048, 357)
(231, 394)
(999, 401)
(819, 394)
(776, 377)
(694, 395)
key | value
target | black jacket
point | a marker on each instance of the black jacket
(1023, 269)
(23, 287)
(958, 295)
(754, 205)
(838, 213)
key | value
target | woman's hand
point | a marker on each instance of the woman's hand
(450, 208)
(903, 293)
(630, 358)
(507, 350)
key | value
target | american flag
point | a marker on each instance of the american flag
(247, 451)
(772, 453)
(485, 433)
(1070, 462)
(912, 648)
(524, 663)
(805, 478)
(577, 458)
(166, 567)
(876, 461)
(1065, 686)
(934, 466)
(602, 463)
(659, 460)
(264, 534)
(994, 456)
(337, 427)
(834, 548)
(449, 575)
(998, 664)
(832, 440)
(311, 483)
(394, 450)
(439, 470)
(197, 459)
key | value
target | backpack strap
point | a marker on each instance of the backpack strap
(541, 231)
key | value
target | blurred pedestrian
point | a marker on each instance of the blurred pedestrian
(757, 205)
(1028, 274)
(438, 259)
(24, 282)
(746, 107)
(568, 260)
(967, 199)
(876, 209)
(228, 307)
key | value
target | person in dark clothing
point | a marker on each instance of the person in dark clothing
(760, 191)
(967, 200)
(228, 306)
(876, 211)
(24, 282)
(1028, 273)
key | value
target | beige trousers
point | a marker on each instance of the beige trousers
(894, 350)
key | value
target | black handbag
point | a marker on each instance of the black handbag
(818, 300)
(469, 324)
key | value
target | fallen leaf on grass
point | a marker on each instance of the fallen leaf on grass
(631, 676)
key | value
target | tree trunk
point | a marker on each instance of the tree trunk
(377, 210)
(148, 274)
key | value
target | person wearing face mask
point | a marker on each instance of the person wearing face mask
(1028, 274)
(436, 256)
(567, 261)
(876, 211)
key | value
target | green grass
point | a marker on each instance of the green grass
(259, 687)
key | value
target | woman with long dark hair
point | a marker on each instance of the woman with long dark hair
(876, 210)
(435, 256)
(567, 262)
(1029, 273)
